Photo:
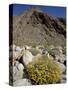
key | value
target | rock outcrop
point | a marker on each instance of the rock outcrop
(16, 71)
(22, 82)
(27, 57)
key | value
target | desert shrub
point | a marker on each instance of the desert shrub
(34, 45)
(34, 51)
(43, 71)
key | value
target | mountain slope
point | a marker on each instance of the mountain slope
(34, 27)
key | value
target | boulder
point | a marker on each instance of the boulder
(44, 51)
(18, 49)
(50, 57)
(15, 52)
(27, 57)
(62, 67)
(28, 47)
(22, 82)
(17, 55)
(60, 49)
(20, 67)
(12, 62)
(16, 71)
(63, 79)
(51, 47)
(60, 58)
(57, 55)
(54, 53)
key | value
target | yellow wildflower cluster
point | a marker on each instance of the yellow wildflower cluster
(43, 71)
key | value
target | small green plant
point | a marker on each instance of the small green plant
(34, 45)
(43, 71)
(34, 51)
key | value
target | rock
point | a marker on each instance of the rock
(51, 47)
(22, 82)
(62, 81)
(27, 57)
(57, 55)
(16, 71)
(15, 52)
(54, 53)
(16, 63)
(60, 49)
(60, 58)
(44, 51)
(17, 75)
(12, 62)
(27, 47)
(20, 67)
(62, 67)
(16, 55)
(63, 77)
(50, 57)
(18, 49)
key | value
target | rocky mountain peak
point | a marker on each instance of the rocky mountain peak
(34, 26)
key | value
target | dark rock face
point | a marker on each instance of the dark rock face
(36, 27)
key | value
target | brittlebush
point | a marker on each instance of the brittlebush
(43, 71)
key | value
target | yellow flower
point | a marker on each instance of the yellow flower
(43, 71)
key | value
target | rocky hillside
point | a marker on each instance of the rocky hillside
(36, 66)
(34, 27)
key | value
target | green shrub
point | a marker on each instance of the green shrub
(34, 45)
(43, 71)
(34, 51)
